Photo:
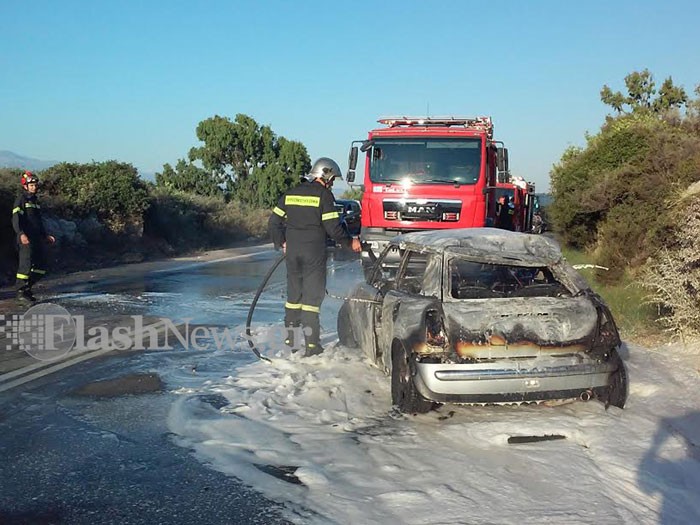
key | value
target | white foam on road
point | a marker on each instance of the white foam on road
(328, 420)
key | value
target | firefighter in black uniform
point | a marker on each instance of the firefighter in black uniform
(299, 224)
(506, 214)
(31, 236)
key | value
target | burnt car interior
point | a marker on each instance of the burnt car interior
(386, 269)
(477, 280)
(406, 277)
(412, 273)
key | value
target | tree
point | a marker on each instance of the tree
(232, 149)
(255, 165)
(354, 193)
(640, 95)
(189, 178)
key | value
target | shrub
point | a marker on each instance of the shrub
(187, 221)
(612, 198)
(672, 275)
(579, 205)
(9, 188)
(111, 190)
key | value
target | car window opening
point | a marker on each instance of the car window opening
(411, 280)
(475, 280)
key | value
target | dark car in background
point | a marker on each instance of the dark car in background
(350, 214)
(481, 315)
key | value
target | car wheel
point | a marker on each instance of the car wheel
(403, 390)
(617, 389)
(345, 335)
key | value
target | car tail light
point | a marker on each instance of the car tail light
(435, 334)
(607, 336)
(450, 216)
(391, 215)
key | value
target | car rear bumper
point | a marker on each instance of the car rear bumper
(491, 383)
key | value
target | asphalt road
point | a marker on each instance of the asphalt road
(90, 443)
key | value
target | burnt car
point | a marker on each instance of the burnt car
(481, 316)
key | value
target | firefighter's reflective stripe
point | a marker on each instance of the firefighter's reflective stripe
(36, 270)
(18, 210)
(309, 308)
(330, 215)
(31, 205)
(301, 200)
(293, 306)
(22, 276)
(279, 211)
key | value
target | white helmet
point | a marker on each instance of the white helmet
(326, 169)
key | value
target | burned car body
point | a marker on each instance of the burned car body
(481, 315)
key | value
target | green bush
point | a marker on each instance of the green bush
(111, 190)
(612, 198)
(578, 203)
(9, 188)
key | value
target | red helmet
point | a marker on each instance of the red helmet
(28, 178)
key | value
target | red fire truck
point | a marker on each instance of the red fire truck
(425, 173)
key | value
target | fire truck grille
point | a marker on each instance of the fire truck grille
(435, 210)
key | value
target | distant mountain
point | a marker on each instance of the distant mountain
(9, 159)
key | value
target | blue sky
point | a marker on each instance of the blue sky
(130, 80)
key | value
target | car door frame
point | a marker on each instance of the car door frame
(365, 310)
(398, 318)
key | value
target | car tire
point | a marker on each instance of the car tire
(618, 387)
(345, 335)
(404, 394)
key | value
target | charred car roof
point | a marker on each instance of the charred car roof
(495, 246)
(486, 244)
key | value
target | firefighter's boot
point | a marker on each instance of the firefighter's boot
(25, 297)
(313, 349)
(293, 342)
(24, 290)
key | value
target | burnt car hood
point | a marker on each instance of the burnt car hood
(520, 327)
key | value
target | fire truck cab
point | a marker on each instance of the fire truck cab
(427, 173)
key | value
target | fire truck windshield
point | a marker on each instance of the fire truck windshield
(426, 160)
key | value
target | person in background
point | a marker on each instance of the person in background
(31, 238)
(537, 223)
(506, 212)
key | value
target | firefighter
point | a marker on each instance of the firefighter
(499, 208)
(506, 214)
(299, 224)
(31, 238)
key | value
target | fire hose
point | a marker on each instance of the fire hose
(262, 286)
